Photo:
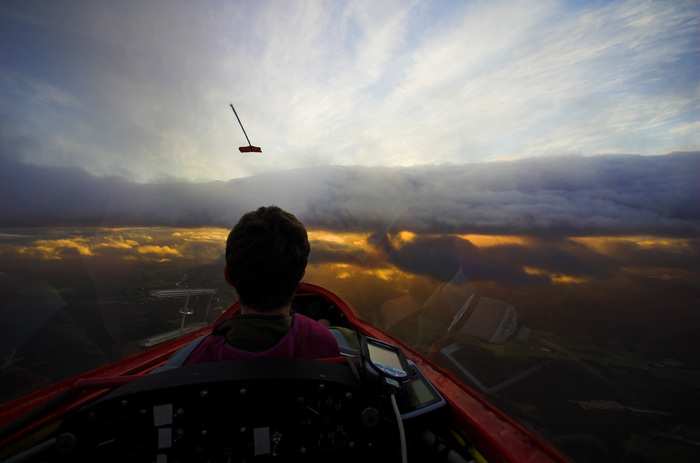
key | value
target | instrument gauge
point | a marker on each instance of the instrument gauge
(324, 420)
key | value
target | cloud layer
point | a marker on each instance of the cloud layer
(566, 195)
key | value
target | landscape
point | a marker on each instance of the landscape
(608, 344)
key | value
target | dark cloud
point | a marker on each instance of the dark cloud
(442, 256)
(547, 197)
(557, 195)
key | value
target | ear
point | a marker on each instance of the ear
(226, 276)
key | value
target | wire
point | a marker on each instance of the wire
(402, 435)
(448, 453)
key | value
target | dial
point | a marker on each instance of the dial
(324, 420)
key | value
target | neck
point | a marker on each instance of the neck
(281, 311)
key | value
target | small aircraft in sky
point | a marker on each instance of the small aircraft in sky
(250, 148)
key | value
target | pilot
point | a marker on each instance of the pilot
(266, 257)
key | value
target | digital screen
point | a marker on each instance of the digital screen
(420, 397)
(420, 394)
(387, 357)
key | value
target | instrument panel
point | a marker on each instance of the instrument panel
(237, 411)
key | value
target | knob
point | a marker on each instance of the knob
(370, 417)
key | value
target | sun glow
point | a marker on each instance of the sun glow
(616, 244)
(351, 238)
(484, 241)
(557, 277)
(401, 238)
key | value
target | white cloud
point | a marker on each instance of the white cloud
(348, 83)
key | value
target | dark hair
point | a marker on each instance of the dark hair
(266, 254)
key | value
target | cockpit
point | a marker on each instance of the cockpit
(370, 403)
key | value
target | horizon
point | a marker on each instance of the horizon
(613, 195)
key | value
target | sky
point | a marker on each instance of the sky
(142, 89)
(118, 112)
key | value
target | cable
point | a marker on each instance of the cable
(402, 435)
(450, 455)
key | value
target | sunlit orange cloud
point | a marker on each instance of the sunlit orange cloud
(343, 270)
(556, 277)
(216, 235)
(609, 244)
(161, 244)
(117, 243)
(54, 249)
(483, 241)
(403, 237)
(163, 251)
(333, 275)
(353, 246)
(399, 239)
(366, 289)
(112, 229)
(340, 270)
(355, 239)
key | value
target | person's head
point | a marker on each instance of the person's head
(266, 256)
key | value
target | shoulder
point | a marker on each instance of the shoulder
(205, 349)
(315, 338)
(305, 323)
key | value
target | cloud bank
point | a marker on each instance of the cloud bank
(566, 195)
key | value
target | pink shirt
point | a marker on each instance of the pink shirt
(306, 339)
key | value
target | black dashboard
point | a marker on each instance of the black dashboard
(252, 410)
(235, 411)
